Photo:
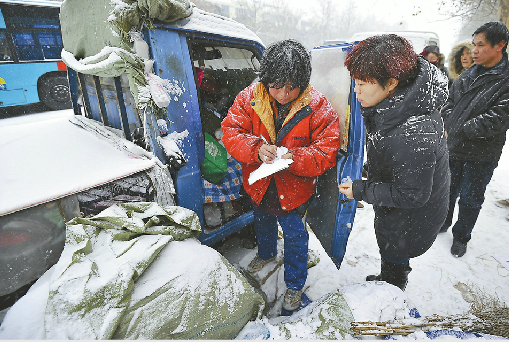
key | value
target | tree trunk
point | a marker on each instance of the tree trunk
(503, 11)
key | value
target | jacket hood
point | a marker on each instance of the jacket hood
(425, 95)
(453, 73)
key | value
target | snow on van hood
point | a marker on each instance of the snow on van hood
(45, 157)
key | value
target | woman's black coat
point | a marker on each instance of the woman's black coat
(408, 165)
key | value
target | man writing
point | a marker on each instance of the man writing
(476, 118)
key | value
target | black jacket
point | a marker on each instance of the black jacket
(476, 115)
(408, 169)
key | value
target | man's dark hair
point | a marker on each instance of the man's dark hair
(495, 32)
(383, 57)
(283, 62)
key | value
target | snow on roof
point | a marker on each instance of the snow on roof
(204, 21)
(46, 157)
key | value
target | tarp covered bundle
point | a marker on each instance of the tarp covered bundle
(327, 318)
(88, 26)
(136, 271)
(96, 38)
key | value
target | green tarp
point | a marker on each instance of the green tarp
(329, 318)
(95, 35)
(118, 277)
(88, 26)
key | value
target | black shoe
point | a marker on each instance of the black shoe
(394, 274)
(458, 248)
(373, 277)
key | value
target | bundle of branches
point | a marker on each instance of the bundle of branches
(411, 325)
(492, 314)
(487, 315)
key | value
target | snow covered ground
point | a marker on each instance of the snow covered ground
(437, 277)
(432, 283)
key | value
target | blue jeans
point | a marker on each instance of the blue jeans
(468, 181)
(295, 244)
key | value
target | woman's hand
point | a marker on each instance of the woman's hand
(346, 189)
(267, 153)
(287, 155)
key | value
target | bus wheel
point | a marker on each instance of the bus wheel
(54, 92)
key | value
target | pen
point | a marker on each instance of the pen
(265, 140)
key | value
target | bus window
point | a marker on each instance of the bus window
(51, 44)
(26, 47)
(30, 55)
(5, 51)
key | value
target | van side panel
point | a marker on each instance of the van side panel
(172, 61)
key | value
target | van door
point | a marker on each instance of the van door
(331, 215)
(211, 72)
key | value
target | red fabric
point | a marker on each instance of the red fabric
(314, 142)
(199, 75)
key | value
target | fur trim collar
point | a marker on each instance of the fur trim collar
(453, 73)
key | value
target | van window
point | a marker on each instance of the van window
(221, 72)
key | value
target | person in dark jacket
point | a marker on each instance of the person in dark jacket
(283, 111)
(408, 175)
(433, 55)
(476, 118)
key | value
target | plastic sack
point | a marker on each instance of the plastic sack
(214, 167)
(159, 94)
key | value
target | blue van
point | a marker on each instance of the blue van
(206, 60)
(210, 59)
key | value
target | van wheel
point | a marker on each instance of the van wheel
(54, 92)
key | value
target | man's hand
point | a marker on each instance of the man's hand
(346, 189)
(267, 153)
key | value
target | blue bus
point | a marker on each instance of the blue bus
(31, 69)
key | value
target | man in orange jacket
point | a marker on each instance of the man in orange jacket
(283, 110)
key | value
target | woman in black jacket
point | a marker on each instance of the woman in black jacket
(407, 158)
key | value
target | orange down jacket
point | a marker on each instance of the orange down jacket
(310, 131)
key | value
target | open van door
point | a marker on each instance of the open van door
(198, 64)
(331, 215)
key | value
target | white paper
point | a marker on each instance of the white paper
(267, 169)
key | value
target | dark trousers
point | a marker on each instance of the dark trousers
(295, 244)
(468, 181)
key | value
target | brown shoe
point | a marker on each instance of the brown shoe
(257, 263)
(292, 299)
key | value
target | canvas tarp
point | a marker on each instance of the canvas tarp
(136, 271)
(96, 38)
(102, 257)
(88, 26)
(327, 318)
